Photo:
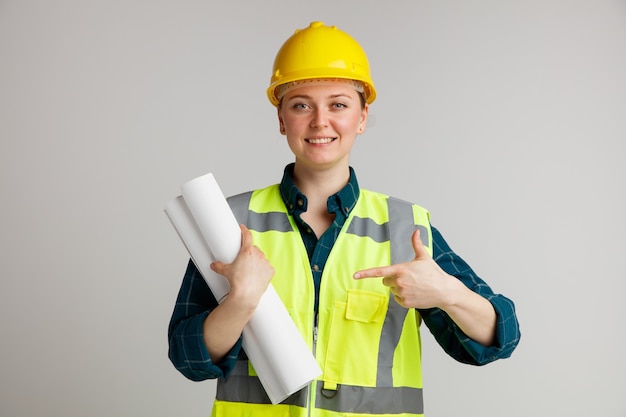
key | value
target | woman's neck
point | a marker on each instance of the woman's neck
(320, 184)
(317, 185)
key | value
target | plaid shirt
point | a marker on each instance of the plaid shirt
(195, 300)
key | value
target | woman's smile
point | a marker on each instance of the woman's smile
(319, 141)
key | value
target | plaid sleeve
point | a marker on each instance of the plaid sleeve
(449, 336)
(187, 350)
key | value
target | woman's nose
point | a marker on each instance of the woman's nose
(320, 119)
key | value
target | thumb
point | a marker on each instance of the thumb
(418, 246)
(246, 236)
(218, 267)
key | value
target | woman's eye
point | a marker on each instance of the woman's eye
(300, 106)
(339, 105)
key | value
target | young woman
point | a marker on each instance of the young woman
(357, 270)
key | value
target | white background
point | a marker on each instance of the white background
(506, 119)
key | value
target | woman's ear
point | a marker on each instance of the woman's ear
(363, 121)
(281, 124)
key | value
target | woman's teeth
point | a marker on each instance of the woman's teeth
(319, 141)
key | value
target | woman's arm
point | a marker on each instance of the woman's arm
(249, 276)
(467, 319)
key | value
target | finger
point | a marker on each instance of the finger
(398, 299)
(418, 246)
(389, 282)
(375, 272)
(246, 236)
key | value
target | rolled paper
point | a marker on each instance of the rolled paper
(209, 230)
(200, 253)
(215, 220)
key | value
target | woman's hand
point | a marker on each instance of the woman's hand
(420, 283)
(249, 274)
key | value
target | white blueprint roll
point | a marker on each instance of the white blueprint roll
(209, 231)
(213, 216)
(200, 253)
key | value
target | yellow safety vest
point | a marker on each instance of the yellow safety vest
(367, 345)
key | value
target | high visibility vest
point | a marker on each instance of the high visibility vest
(366, 344)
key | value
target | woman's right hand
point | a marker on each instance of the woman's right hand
(249, 274)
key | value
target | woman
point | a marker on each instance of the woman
(357, 270)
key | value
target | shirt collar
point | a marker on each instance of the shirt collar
(345, 199)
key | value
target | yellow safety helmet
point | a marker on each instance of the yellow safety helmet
(320, 51)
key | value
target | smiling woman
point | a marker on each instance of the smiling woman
(325, 243)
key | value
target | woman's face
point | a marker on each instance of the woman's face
(321, 123)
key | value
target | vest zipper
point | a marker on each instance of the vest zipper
(312, 386)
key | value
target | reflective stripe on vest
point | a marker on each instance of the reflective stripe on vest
(242, 387)
(384, 398)
(400, 213)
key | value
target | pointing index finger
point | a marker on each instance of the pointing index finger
(373, 273)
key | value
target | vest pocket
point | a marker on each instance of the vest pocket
(354, 336)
